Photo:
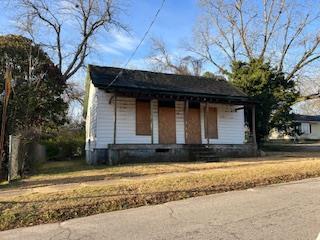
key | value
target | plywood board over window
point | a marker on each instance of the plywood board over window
(211, 123)
(192, 124)
(167, 125)
(143, 118)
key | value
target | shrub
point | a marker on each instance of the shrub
(64, 144)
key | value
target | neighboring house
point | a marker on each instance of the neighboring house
(140, 116)
(309, 127)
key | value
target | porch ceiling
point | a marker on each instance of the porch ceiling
(177, 96)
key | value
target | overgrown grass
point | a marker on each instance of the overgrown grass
(166, 182)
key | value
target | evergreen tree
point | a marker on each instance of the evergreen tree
(208, 74)
(273, 92)
(37, 93)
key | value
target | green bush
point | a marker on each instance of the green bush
(64, 144)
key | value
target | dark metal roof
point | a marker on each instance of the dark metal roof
(306, 118)
(146, 81)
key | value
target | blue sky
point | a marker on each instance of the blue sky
(174, 24)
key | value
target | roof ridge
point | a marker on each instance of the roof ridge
(217, 77)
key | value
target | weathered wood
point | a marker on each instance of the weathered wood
(180, 96)
(193, 126)
(143, 118)
(212, 123)
(186, 110)
(151, 121)
(167, 125)
(206, 123)
(115, 120)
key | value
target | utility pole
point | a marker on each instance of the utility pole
(5, 102)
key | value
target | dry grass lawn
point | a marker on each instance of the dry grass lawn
(106, 189)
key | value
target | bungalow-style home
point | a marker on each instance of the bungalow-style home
(309, 128)
(141, 116)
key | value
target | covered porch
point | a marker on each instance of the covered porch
(198, 115)
(181, 128)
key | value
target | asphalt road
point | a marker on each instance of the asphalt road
(284, 211)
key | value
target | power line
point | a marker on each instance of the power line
(141, 41)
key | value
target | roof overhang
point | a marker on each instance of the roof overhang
(144, 93)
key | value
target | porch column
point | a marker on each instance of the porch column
(206, 123)
(186, 111)
(151, 119)
(115, 120)
(253, 113)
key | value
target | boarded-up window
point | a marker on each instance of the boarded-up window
(192, 125)
(211, 123)
(167, 125)
(143, 120)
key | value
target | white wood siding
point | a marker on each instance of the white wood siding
(230, 125)
(180, 137)
(91, 118)
(154, 110)
(305, 128)
(126, 122)
(105, 119)
(315, 131)
(100, 123)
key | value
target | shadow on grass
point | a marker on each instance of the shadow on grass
(58, 167)
(64, 167)
(189, 192)
(183, 192)
(21, 184)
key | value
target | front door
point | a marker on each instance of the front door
(192, 126)
(167, 125)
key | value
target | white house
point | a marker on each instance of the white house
(309, 128)
(139, 116)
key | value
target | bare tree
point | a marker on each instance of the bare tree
(280, 31)
(66, 29)
(162, 60)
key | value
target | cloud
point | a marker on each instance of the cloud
(124, 41)
(65, 4)
(117, 44)
(106, 48)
